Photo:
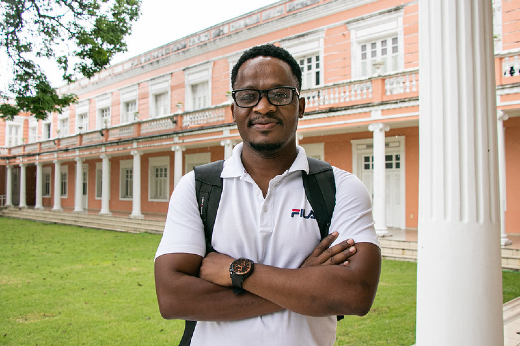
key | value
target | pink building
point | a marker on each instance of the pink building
(141, 124)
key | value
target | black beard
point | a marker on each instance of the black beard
(265, 147)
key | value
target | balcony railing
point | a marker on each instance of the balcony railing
(378, 89)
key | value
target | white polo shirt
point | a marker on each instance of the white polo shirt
(277, 230)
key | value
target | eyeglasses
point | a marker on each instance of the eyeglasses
(248, 98)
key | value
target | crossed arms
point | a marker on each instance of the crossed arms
(338, 280)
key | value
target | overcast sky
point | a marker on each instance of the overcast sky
(161, 22)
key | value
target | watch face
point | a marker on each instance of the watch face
(242, 266)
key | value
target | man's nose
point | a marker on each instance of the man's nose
(264, 106)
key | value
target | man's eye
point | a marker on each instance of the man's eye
(247, 96)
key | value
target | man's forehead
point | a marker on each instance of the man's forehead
(266, 64)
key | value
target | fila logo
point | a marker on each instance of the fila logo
(301, 213)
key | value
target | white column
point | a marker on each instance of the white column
(105, 186)
(39, 186)
(228, 148)
(57, 186)
(459, 276)
(379, 180)
(136, 187)
(78, 187)
(177, 173)
(501, 117)
(9, 187)
(23, 186)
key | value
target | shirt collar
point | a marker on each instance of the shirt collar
(233, 166)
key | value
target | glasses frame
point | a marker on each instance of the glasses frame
(266, 93)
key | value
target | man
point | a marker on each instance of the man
(294, 288)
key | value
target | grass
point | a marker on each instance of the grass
(64, 285)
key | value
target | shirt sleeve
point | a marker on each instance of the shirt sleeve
(352, 217)
(183, 230)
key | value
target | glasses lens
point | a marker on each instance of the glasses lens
(280, 96)
(247, 98)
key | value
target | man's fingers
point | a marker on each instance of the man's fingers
(341, 257)
(327, 254)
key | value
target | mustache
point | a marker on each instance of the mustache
(264, 119)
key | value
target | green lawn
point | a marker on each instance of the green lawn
(64, 285)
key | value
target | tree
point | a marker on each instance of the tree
(81, 36)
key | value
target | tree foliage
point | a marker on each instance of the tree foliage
(80, 36)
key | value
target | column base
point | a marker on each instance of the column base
(22, 207)
(383, 233)
(39, 208)
(57, 209)
(79, 211)
(105, 213)
(504, 241)
(136, 216)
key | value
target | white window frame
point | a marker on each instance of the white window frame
(153, 163)
(158, 86)
(17, 122)
(46, 172)
(125, 165)
(196, 75)
(33, 130)
(310, 45)
(99, 180)
(103, 104)
(128, 95)
(64, 181)
(82, 118)
(64, 123)
(372, 29)
(193, 160)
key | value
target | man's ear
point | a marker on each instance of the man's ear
(301, 109)
(233, 112)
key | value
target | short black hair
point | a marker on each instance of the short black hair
(272, 51)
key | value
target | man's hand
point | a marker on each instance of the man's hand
(215, 269)
(323, 254)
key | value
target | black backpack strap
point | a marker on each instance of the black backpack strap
(208, 188)
(189, 327)
(320, 189)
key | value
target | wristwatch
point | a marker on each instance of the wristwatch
(239, 270)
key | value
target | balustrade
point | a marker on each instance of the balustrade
(68, 141)
(90, 137)
(202, 117)
(402, 84)
(511, 65)
(31, 148)
(157, 125)
(121, 131)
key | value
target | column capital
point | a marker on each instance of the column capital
(56, 161)
(104, 156)
(78, 159)
(501, 115)
(136, 153)
(378, 127)
(225, 142)
(178, 148)
(22, 165)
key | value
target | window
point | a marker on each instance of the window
(200, 95)
(103, 104)
(159, 182)
(82, 110)
(126, 179)
(310, 67)
(46, 182)
(83, 122)
(47, 130)
(99, 180)
(63, 183)
(161, 104)
(14, 135)
(64, 127)
(198, 86)
(33, 132)
(384, 52)
(376, 44)
(160, 96)
(128, 104)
